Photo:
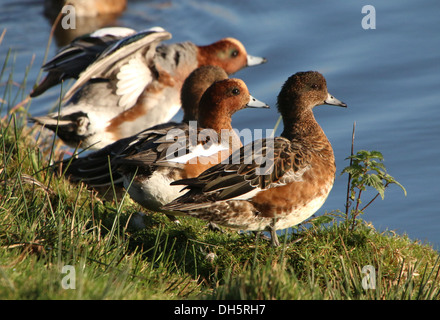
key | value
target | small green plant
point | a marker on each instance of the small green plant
(366, 169)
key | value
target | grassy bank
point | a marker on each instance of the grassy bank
(62, 241)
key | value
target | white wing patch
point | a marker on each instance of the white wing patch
(132, 77)
(113, 31)
(195, 152)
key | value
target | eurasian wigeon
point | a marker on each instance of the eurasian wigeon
(135, 84)
(132, 158)
(277, 183)
(94, 170)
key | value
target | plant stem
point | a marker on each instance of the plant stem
(347, 202)
(356, 210)
(371, 201)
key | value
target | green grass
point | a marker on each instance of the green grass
(47, 223)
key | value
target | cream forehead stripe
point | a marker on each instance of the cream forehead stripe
(237, 43)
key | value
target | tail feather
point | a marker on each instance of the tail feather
(51, 122)
(52, 79)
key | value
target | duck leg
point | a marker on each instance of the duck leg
(173, 218)
(214, 227)
(273, 234)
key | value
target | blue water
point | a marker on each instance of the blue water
(388, 76)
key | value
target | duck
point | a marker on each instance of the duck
(135, 84)
(272, 183)
(146, 163)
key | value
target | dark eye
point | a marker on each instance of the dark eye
(235, 91)
(234, 53)
(314, 86)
